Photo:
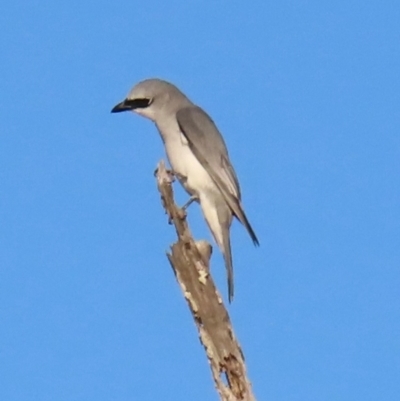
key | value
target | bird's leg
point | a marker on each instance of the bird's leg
(182, 210)
(189, 202)
(182, 179)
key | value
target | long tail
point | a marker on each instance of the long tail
(218, 216)
(226, 251)
(224, 242)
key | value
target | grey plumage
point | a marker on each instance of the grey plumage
(197, 154)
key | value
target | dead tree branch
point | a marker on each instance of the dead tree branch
(190, 263)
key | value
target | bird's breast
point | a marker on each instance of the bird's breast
(189, 170)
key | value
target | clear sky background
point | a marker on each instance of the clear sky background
(307, 95)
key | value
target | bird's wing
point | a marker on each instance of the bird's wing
(208, 146)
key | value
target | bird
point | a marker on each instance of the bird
(198, 156)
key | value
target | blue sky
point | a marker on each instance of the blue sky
(307, 95)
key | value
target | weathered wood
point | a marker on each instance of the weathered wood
(190, 263)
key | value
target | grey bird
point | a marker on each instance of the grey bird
(198, 156)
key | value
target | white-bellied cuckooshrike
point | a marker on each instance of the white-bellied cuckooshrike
(198, 156)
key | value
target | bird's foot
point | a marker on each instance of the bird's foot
(181, 213)
(170, 173)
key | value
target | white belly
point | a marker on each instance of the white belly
(193, 176)
(191, 173)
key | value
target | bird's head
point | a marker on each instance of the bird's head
(151, 98)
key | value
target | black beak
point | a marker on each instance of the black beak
(121, 107)
(129, 104)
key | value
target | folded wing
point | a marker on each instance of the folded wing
(208, 146)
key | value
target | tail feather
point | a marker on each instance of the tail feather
(218, 216)
(232, 200)
(237, 209)
(227, 253)
(241, 215)
(224, 242)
